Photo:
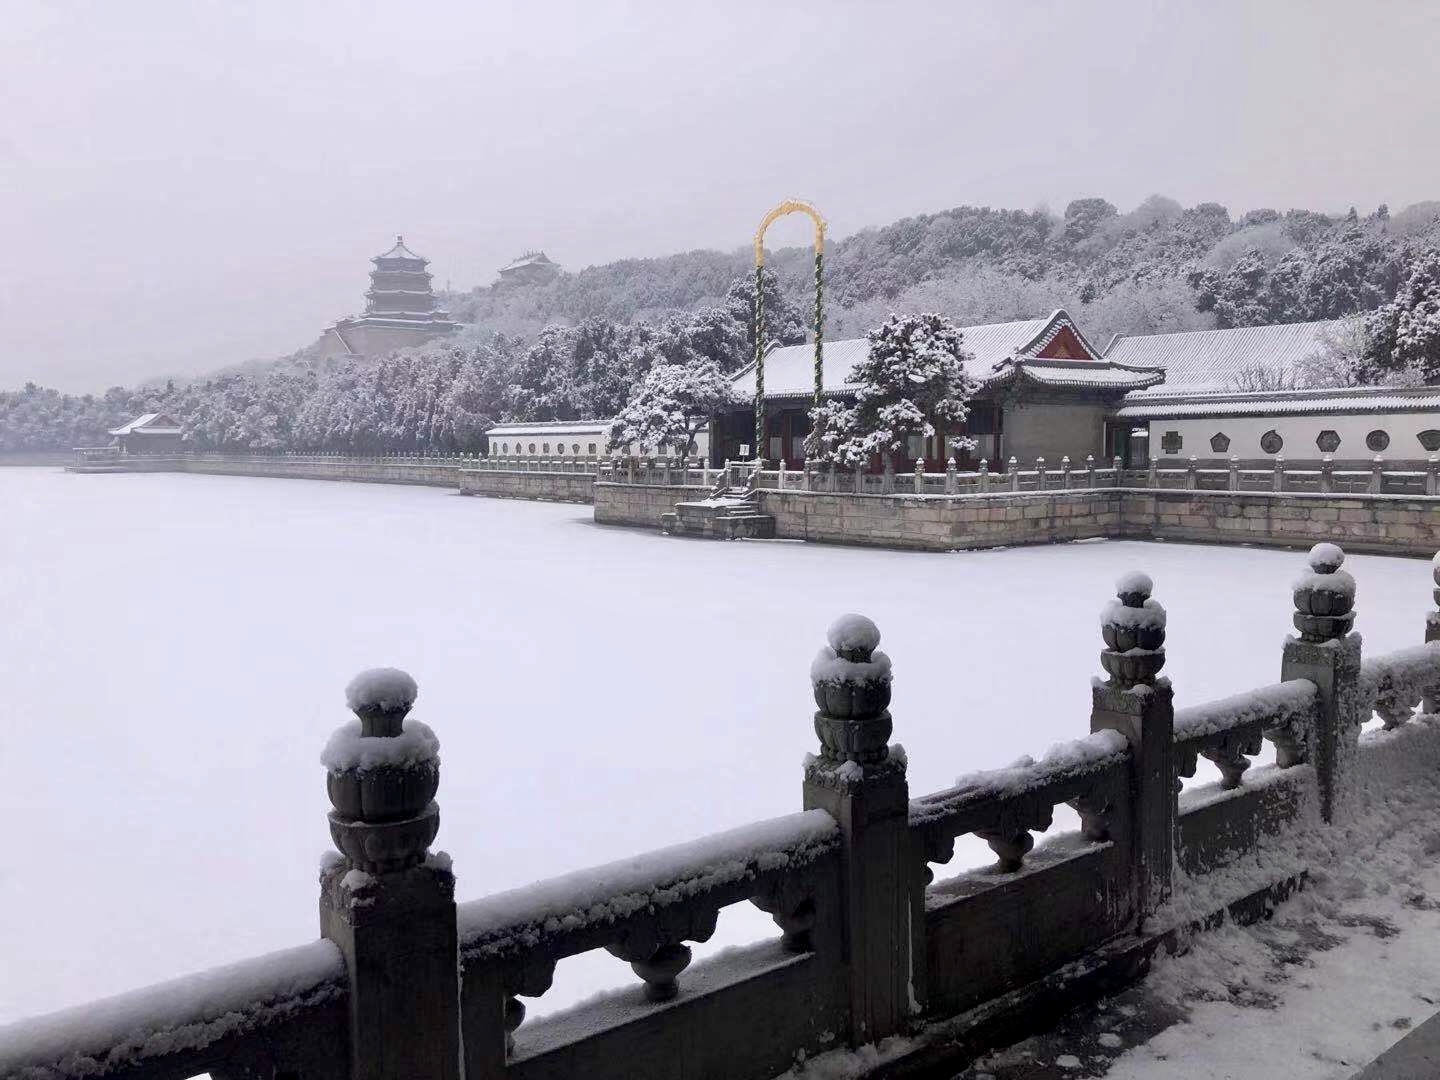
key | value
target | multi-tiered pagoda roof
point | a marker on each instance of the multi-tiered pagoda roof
(401, 308)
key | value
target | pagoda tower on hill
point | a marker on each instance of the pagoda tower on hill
(400, 309)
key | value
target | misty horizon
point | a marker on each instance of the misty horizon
(217, 197)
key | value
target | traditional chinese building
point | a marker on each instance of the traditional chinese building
(532, 268)
(152, 433)
(401, 309)
(1044, 391)
(1230, 394)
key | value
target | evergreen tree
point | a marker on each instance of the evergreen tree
(670, 407)
(1403, 336)
(912, 382)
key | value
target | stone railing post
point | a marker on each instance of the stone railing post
(1090, 470)
(1137, 702)
(807, 468)
(780, 481)
(984, 478)
(1116, 465)
(1234, 473)
(1327, 474)
(388, 904)
(919, 476)
(860, 780)
(1065, 471)
(1277, 479)
(705, 473)
(1012, 467)
(1152, 474)
(1328, 654)
(1432, 626)
(859, 478)
(1432, 475)
(1377, 475)
(1039, 474)
(887, 477)
(1191, 479)
(950, 474)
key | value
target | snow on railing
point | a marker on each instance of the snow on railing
(979, 796)
(684, 874)
(1394, 684)
(185, 1014)
(1275, 706)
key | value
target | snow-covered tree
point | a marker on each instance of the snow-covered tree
(670, 406)
(912, 382)
(1404, 335)
(784, 321)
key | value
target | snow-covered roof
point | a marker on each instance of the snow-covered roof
(400, 251)
(1153, 405)
(999, 351)
(530, 258)
(1211, 359)
(151, 423)
(550, 427)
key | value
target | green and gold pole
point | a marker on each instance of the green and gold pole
(759, 329)
(789, 206)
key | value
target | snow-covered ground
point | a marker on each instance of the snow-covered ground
(176, 650)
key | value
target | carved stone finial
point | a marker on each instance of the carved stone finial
(1133, 626)
(851, 679)
(1325, 596)
(382, 776)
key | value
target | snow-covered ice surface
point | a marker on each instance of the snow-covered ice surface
(177, 649)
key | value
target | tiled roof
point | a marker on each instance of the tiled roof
(1211, 359)
(148, 424)
(1087, 373)
(531, 258)
(400, 251)
(789, 370)
(1366, 399)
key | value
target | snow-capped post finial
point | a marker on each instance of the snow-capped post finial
(1133, 626)
(382, 774)
(1324, 596)
(851, 680)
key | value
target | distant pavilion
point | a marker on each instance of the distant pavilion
(401, 309)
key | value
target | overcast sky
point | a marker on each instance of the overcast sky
(185, 185)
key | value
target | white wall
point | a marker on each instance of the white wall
(548, 443)
(1299, 433)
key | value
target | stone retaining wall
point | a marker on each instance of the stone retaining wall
(544, 486)
(36, 457)
(929, 523)
(370, 472)
(1386, 524)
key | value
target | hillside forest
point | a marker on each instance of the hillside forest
(576, 347)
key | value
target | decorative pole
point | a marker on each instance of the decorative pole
(789, 206)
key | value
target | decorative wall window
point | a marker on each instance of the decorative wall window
(592, 449)
(1430, 440)
(547, 448)
(1377, 440)
(505, 448)
(532, 448)
(1219, 442)
(575, 448)
(1171, 442)
(1271, 442)
(1328, 441)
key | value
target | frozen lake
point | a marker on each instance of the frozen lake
(176, 649)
